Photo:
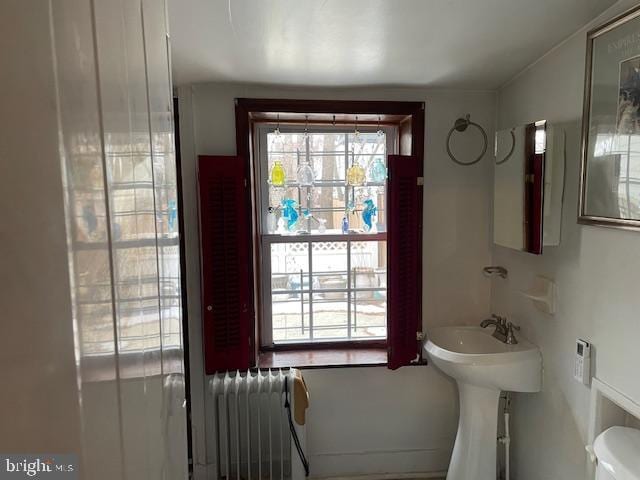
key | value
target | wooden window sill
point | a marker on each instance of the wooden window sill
(324, 358)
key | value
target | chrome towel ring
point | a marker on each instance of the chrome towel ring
(513, 146)
(461, 125)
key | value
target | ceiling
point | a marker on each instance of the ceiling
(477, 44)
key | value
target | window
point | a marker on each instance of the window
(275, 280)
(322, 281)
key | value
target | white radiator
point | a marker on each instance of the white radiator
(254, 441)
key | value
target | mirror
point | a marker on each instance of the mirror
(528, 186)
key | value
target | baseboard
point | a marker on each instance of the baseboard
(389, 476)
(391, 464)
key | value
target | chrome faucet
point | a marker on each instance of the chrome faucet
(501, 326)
(504, 330)
(511, 338)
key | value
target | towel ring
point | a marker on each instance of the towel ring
(513, 146)
(461, 125)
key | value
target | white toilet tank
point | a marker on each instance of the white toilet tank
(618, 452)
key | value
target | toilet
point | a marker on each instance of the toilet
(618, 454)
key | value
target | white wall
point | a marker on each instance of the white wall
(91, 347)
(368, 420)
(508, 190)
(596, 270)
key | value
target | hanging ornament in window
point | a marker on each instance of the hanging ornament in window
(305, 174)
(369, 212)
(345, 223)
(322, 224)
(277, 177)
(276, 195)
(360, 194)
(355, 173)
(356, 130)
(276, 132)
(289, 212)
(322, 227)
(377, 171)
(272, 222)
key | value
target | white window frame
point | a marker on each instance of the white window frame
(266, 240)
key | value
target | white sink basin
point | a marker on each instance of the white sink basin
(472, 355)
(482, 366)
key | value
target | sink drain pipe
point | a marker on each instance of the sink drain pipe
(506, 438)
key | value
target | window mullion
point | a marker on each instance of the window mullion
(308, 189)
(346, 169)
(310, 291)
(346, 213)
(349, 289)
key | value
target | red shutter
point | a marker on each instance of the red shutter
(535, 230)
(225, 262)
(404, 248)
(533, 196)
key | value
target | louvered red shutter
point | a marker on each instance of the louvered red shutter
(404, 248)
(225, 263)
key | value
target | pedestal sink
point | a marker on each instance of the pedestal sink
(483, 367)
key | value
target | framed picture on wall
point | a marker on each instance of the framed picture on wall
(610, 173)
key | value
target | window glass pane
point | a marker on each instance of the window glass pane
(285, 143)
(289, 266)
(328, 168)
(369, 264)
(368, 280)
(330, 316)
(327, 142)
(329, 260)
(290, 314)
(369, 143)
(326, 198)
(332, 219)
(369, 314)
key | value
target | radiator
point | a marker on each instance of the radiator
(253, 436)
